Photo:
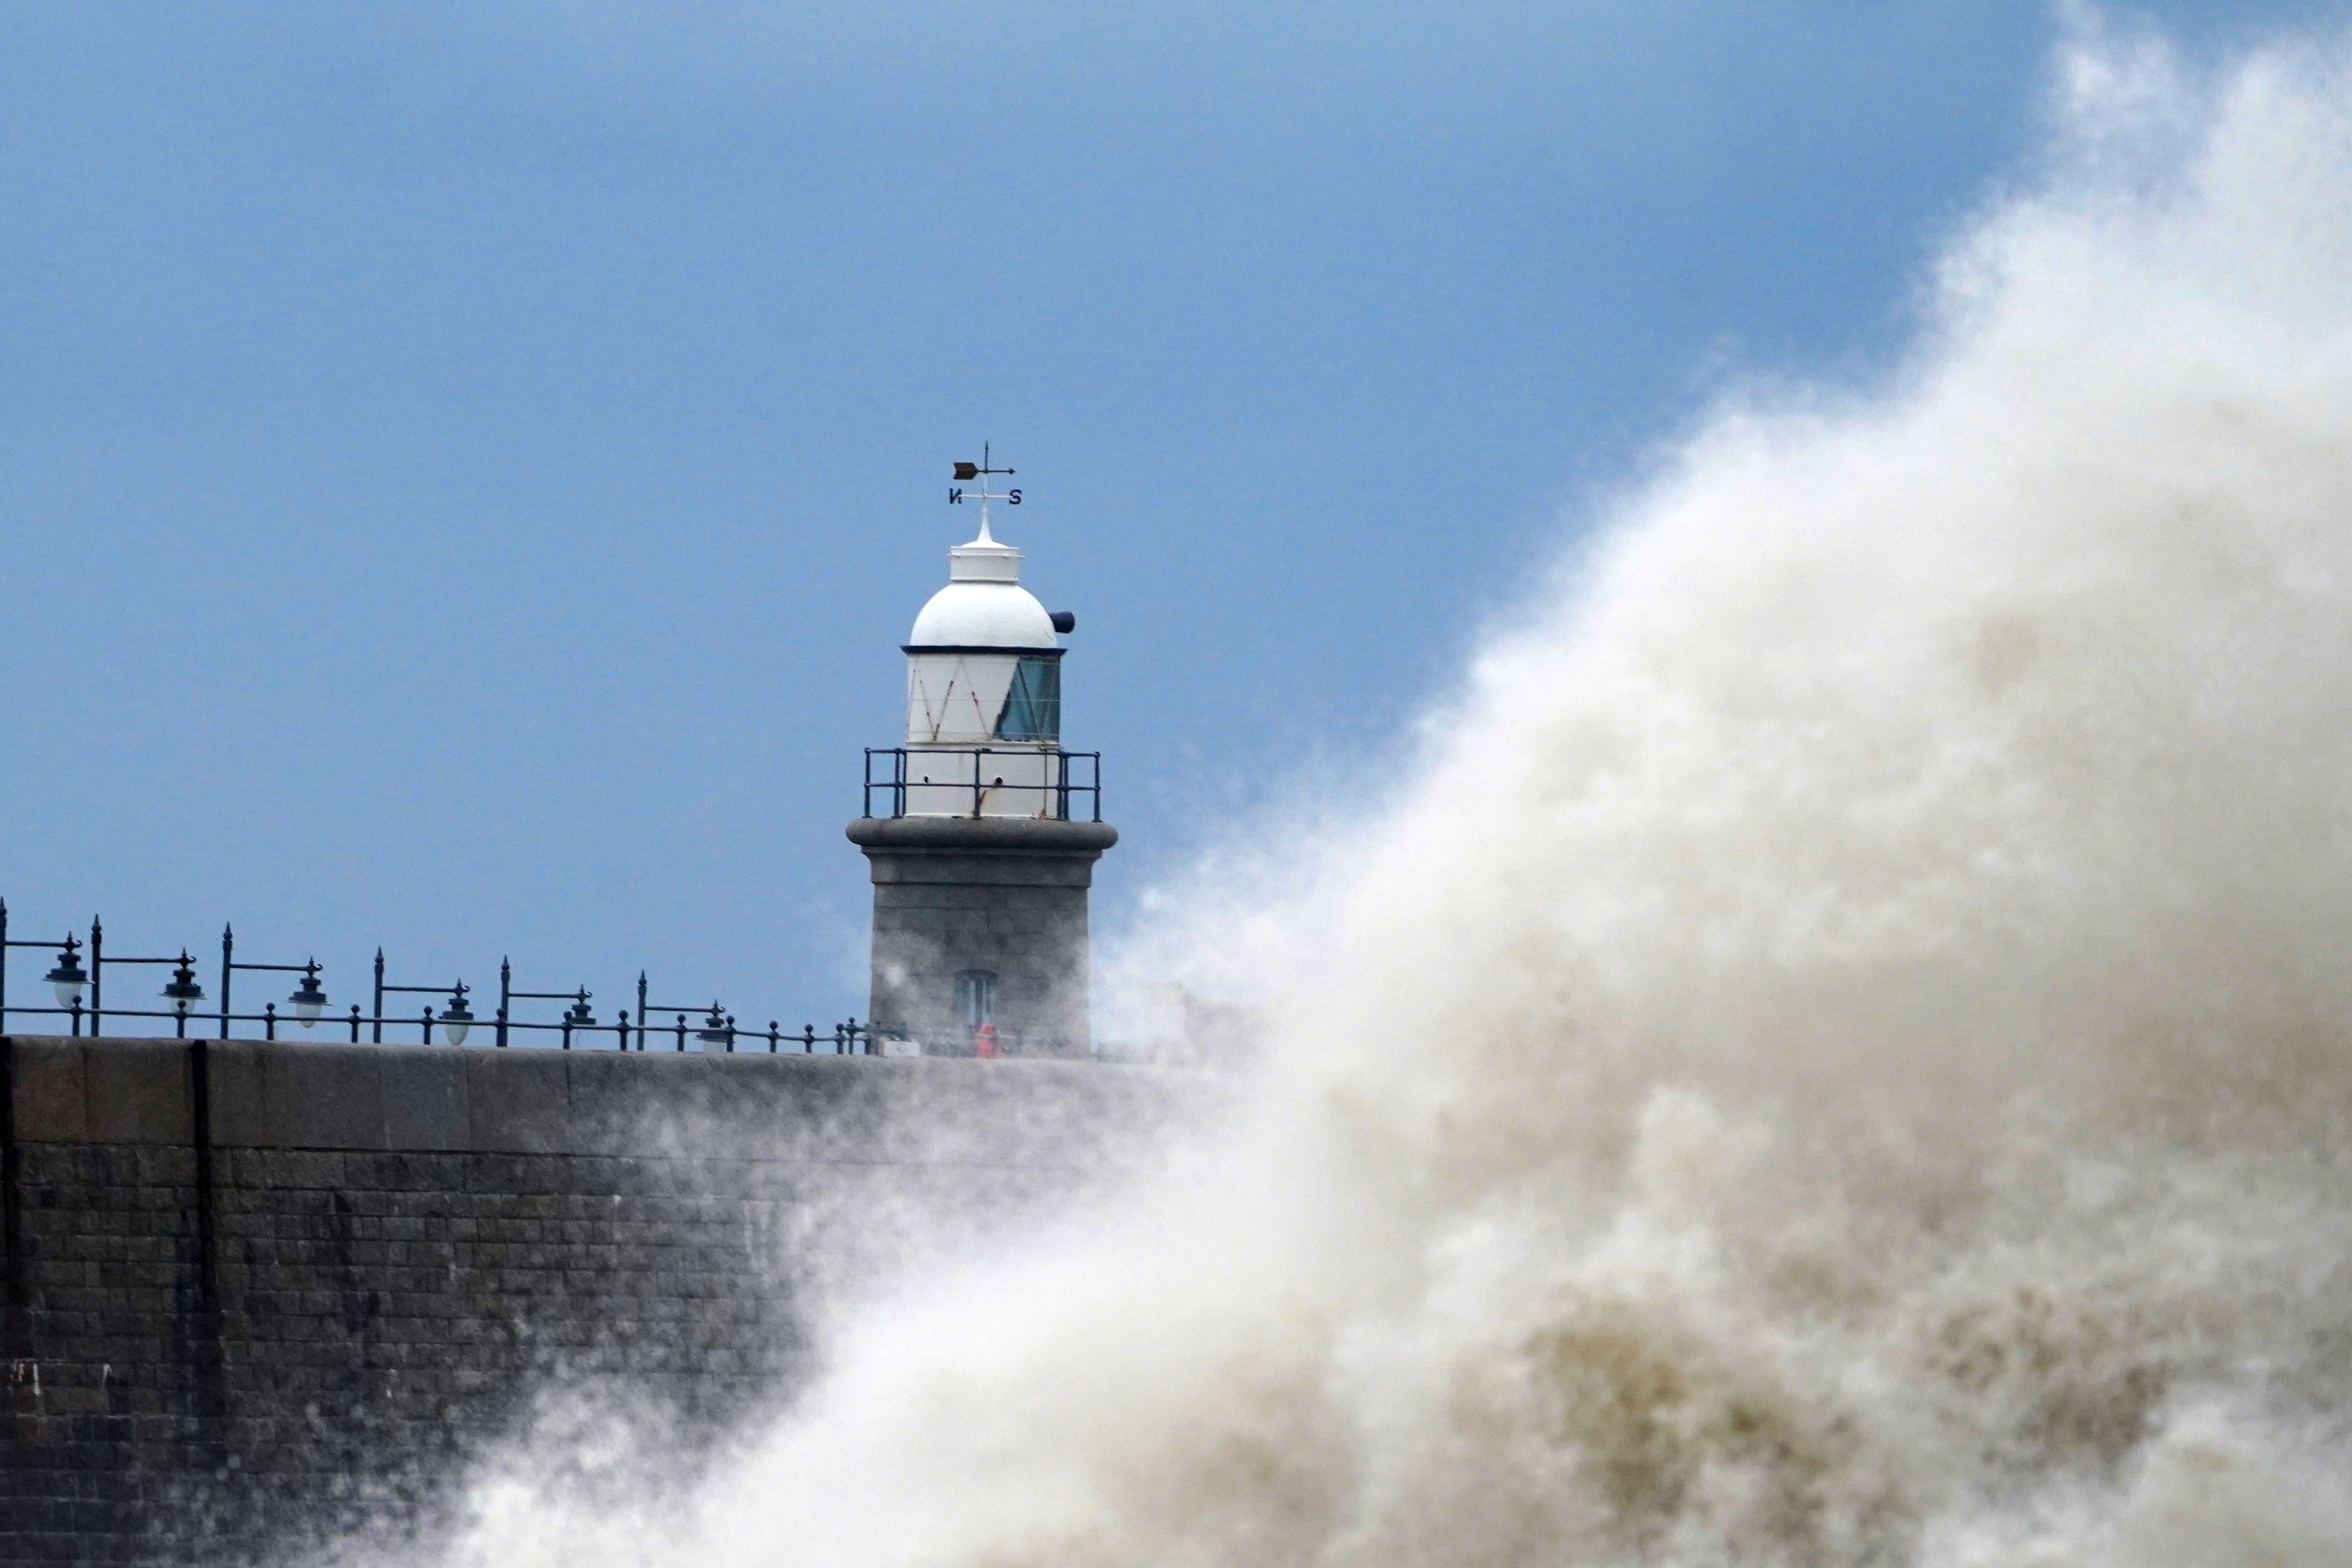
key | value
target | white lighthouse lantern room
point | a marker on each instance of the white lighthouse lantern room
(984, 692)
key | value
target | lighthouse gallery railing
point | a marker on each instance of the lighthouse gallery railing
(1060, 797)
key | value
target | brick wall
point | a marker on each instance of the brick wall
(258, 1292)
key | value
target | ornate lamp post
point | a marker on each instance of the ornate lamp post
(307, 1000)
(457, 1018)
(576, 1017)
(718, 1028)
(67, 980)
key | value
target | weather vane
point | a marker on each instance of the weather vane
(965, 473)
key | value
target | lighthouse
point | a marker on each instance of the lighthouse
(980, 832)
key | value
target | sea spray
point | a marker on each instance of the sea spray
(1842, 1054)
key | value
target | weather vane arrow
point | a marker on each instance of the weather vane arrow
(965, 473)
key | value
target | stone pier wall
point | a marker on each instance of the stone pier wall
(258, 1292)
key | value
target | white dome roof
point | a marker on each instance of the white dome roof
(985, 604)
(983, 614)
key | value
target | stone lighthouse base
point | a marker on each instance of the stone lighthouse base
(980, 920)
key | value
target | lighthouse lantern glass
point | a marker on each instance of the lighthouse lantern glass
(1033, 703)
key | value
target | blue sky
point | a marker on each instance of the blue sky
(466, 470)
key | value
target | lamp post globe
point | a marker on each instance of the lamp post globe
(181, 990)
(69, 977)
(458, 1018)
(309, 999)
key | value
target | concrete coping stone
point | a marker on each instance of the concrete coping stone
(998, 835)
(293, 1095)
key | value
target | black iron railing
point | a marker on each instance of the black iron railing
(80, 990)
(989, 779)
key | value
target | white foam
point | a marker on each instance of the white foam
(1844, 1052)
